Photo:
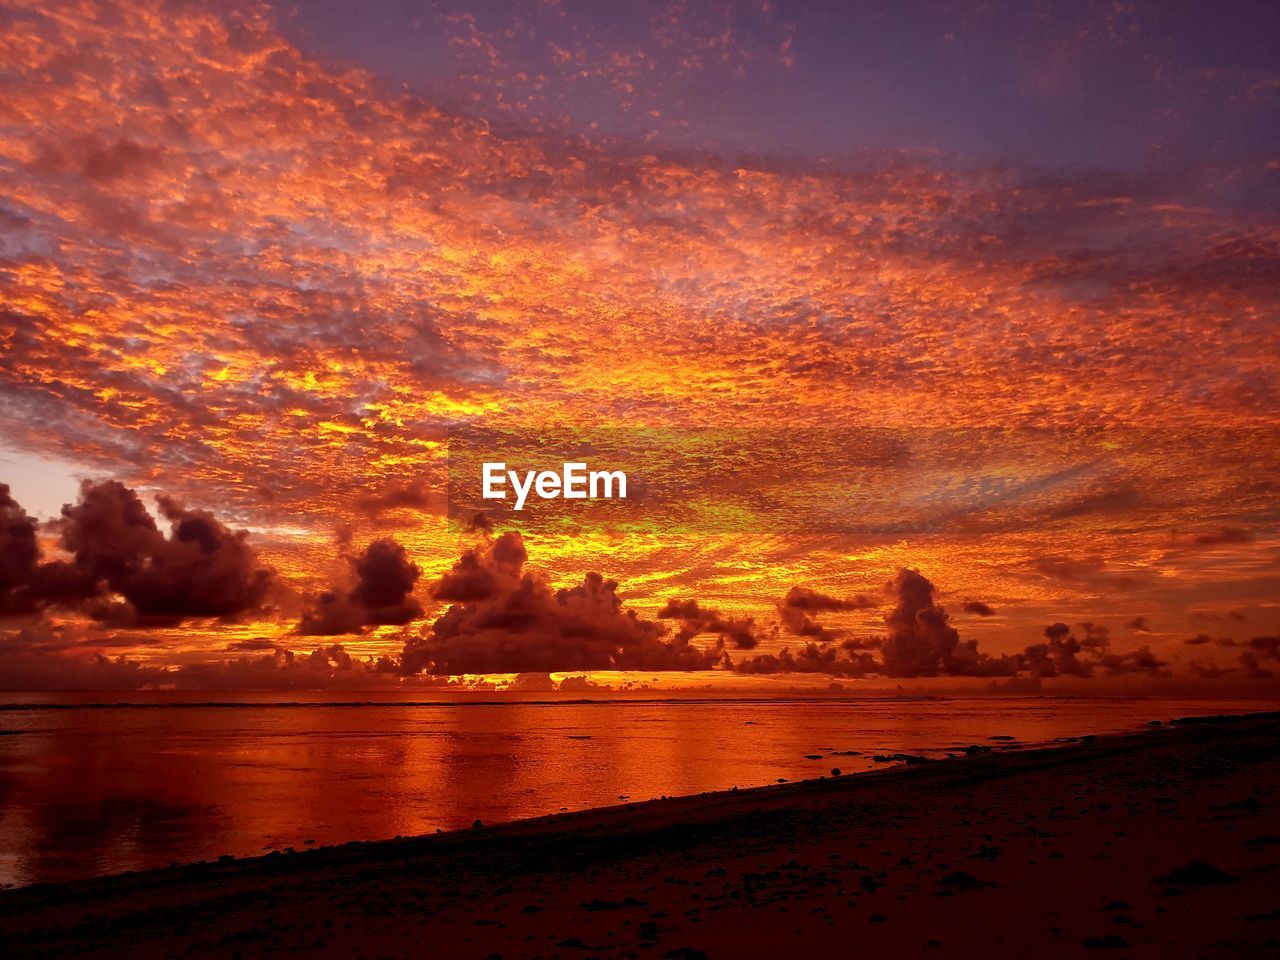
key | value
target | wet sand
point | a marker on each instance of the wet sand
(1156, 844)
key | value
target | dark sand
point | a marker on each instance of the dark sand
(1074, 850)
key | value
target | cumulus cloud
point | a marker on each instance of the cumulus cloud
(124, 570)
(798, 610)
(979, 608)
(533, 683)
(1084, 651)
(381, 593)
(58, 656)
(1256, 654)
(201, 569)
(836, 659)
(1141, 660)
(506, 619)
(19, 555)
(738, 632)
(582, 684)
(921, 641)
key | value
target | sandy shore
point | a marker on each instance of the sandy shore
(1156, 844)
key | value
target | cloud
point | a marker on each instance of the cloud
(1138, 625)
(1067, 654)
(217, 300)
(506, 619)
(1083, 570)
(532, 683)
(582, 684)
(739, 632)
(19, 555)
(255, 644)
(201, 569)
(813, 658)
(381, 594)
(1058, 656)
(1256, 654)
(921, 641)
(1213, 615)
(1141, 660)
(416, 496)
(484, 571)
(124, 570)
(1227, 535)
(796, 611)
(979, 608)
(803, 598)
(1207, 670)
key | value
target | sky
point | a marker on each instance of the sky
(942, 339)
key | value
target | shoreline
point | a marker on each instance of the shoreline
(740, 829)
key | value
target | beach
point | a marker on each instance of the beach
(1160, 843)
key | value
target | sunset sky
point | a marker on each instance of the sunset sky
(957, 333)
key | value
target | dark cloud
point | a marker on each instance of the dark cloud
(1138, 625)
(201, 569)
(829, 658)
(479, 522)
(406, 496)
(124, 569)
(380, 594)
(1257, 652)
(505, 619)
(1213, 615)
(256, 644)
(533, 683)
(581, 684)
(797, 609)
(1251, 664)
(1122, 499)
(979, 608)
(1066, 652)
(802, 598)
(1141, 660)
(1080, 570)
(1226, 535)
(1084, 651)
(1207, 670)
(740, 632)
(19, 555)
(1058, 656)
(921, 641)
(483, 571)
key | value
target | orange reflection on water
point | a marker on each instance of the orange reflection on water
(98, 789)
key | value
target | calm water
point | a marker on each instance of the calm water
(92, 789)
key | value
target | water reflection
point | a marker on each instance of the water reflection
(93, 791)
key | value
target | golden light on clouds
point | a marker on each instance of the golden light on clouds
(269, 287)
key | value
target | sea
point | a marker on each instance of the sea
(100, 784)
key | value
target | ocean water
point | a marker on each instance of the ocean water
(91, 786)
